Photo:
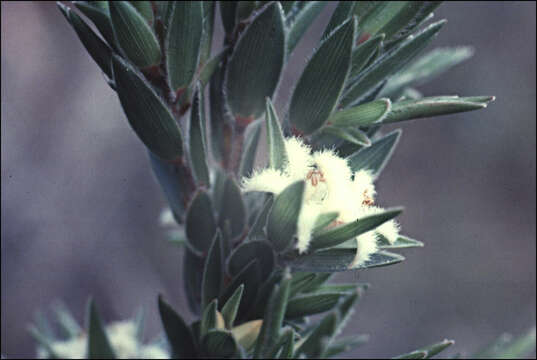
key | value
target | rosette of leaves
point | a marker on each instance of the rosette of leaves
(253, 292)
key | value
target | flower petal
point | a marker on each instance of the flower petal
(267, 180)
(299, 159)
(366, 246)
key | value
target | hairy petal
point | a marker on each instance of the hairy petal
(267, 180)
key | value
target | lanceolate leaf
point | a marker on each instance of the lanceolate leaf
(345, 344)
(258, 228)
(213, 273)
(428, 351)
(375, 156)
(98, 345)
(177, 332)
(323, 220)
(251, 139)
(353, 136)
(134, 35)
(200, 223)
(250, 277)
(218, 344)
(249, 251)
(209, 68)
(427, 107)
(254, 70)
(149, 117)
(183, 43)
(342, 12)
(100, 16)
(362, 54)
(321, 83)
(310, 304)
(316, 343)
(209, 318)
(414, 14)
(98, 50)
(332, 237)
(208, 24)
(302, 21)
(228, 11)
(145, 9)
(388, 64)
(401, 242)
(283, 217)
(230, 308)
(362, 115)
(232, 208)
(198, 142)
(192, 278)
(276, 146)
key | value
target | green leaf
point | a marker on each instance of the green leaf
(43, 341)
(134, 35)
(192, 277)
(433, 106)
(230, 308)
(286, 343)
(145, 9)
(287, 6)
(376, 156)
(148, 116)
(67, 322)
(428, 351)
(316, 343)
(210, 67)
(427, 67)
(251, 139)
(228, 12)
(310, 304)
(320, 86)
(209, 318)
(362, 115)
(100, 17)
(220, 119)
(401, 242)
(342, 12)
(339, 288)
(208, 25)
(353, 136)
(300, 281)
(98, 50)
(388, 64)
(98, 345)
(177, 332)
(219, 344)
(316, 283)
(247, 333)
(412, 16)
(213, 273)
(335, 236)
(345, 344)
(249, 251)
(274, 315)
(198, 142)
(244, 9)
(275, 139)
(338, 259)
(183, 42)
(362, 54)
(254, 70)
(200, 224)
(323, 220)
(508, 349)
(232, 208)
(302, 21)
(283, 217)
(257, 231)
(250, 278)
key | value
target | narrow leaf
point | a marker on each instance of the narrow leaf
(183, 43)
(302, 21)
(228, 11)
(283, 217)
(200, 225)
(376, 156)
(209, 318)
(342, 12)
(208, 25)
(363, 54)
(401, 242)
(134, 35)
(247, 333)
(310, 304)
(362, 115)
(213, 273)
(219, 344)
(177, 332)
(249, 277)
(321, 83)
(428, 351)
(351, 135)
(100, 17)
(148, 116)
(232, 208)
(251, 140)
(209, 68)
(145, 9)
(249, 251)
(318, 340)
(323, 220)
(345, 344)
(98, 344)
(276, 145)
(257, 231)
(230, 308)
(198, 139)
(192, 279)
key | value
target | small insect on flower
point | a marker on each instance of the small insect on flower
(331, 186)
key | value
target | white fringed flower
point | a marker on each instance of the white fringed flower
(331, 186)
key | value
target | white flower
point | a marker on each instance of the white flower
(331, 186)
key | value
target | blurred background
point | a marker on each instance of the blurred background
(80, 205)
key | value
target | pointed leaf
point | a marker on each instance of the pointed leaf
(98, 50)
(401, 242)
(183, 43)
(310, 304)
(230, 308)
(254, 70)
(246, 252)
(219, 344)
(198, 139)
(376, 156)
(287, 340)
(414, 14)
(200, 224)
(283, 217)
(363, 54)
(247, 333)
(148, 116)
(302, 21)
(232, 208)
(339, 259)
(345, 344)
(342, 12)
(228, 12)
(274, 315)
(249, 277)
(251, 139)
(213, 273)
(192, 279)
(257, 229)
(209, 318)
(428, 351)
(335, 236)
(351, 135)
(210, 67)
(318, 340)
(362, 115)
(177, 332)
(220, 119)
(145, 9)
(388, 64)
(321, 83)
(208, 25)
(433, 106)
(315, 284)
(275, 139)
(100, 17)
(323, 220)
(98, 344)
(134, 35)
(300, 281)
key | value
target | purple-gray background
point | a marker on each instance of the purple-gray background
(80, 205)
